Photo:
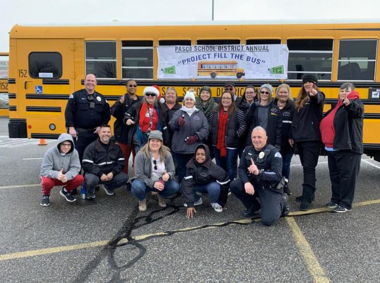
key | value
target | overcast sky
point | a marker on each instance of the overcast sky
(80, 11)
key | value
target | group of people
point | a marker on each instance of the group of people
(173, 145)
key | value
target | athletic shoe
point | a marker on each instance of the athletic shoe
(67, 195)
(90, 196)
(217, 207)
(198, 202)
(108, 191)
(342, 209)
(332, 204)
(45, 201)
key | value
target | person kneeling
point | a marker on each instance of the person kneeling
(154, 169)
(204, 176)
(260, 172)
(60, 166)
(103, 163)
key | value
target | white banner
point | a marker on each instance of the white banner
(4, 67)
(223, 61)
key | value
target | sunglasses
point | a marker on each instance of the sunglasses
(132, 85)
(264, 92)
(155, 164)
(229, 88)
(150, 94)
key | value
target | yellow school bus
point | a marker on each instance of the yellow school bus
(220, 69)
(4, 84)
(48, 63)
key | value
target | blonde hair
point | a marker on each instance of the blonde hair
(287, 88)
(163, 151)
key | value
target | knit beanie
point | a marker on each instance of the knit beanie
(189, 94)
(268, 87)
(310, 78)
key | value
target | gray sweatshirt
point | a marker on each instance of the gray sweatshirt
(54, 161)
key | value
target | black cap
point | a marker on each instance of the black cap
(229, 84)
(309, 78)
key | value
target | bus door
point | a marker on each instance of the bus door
(45, 77)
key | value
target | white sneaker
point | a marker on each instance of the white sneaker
(198, 202)
(217, 207)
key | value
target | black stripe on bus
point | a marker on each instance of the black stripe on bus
(365, 101)
(12, 108)
(45, 136)
(371, 146)
(47, 96)
(371, 116)
(55, 82)
(11, 95)
(11, 81)
(237, 83)
(42, 109)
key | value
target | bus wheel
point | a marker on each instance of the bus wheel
(213, 75)
(239, 75)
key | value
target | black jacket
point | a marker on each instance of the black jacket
(236, 128)
(273, 127)
(305, 126)
(118, 111)
(81, 112)
(98, 161)
(268, 160)
(286, 115)
(348, 125)
(166, 115)
(203, 174)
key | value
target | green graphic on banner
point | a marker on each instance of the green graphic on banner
(277, 70)
(170, 70)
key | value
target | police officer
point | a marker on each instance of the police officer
(260, 177)
(86, 111)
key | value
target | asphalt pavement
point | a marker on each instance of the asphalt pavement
(108, 240)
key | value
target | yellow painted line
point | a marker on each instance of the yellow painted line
(20, 186)
(142, 237)
(310, 259)
(52, 250)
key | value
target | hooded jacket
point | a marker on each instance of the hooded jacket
(343, 125)
(286, 115)
(54, 161)
(203, 174)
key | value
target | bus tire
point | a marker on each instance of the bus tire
(239, 75)
(213, 75)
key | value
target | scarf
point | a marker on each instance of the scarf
(207, 108)
(223, 118)
(189, 111)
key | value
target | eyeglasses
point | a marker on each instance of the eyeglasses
(66, 144)
(155, 164)
(264, 92)
(150, 94)
(249, 92)
(229, 88)
(132, 85)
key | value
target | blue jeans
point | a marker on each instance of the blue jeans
(181, 161)
(140, 189)
(213, 189)
(286, 160)
(228, 163)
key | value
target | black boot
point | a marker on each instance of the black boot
(286, 207)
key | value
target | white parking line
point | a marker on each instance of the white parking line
(366, 161)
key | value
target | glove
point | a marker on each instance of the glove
(190, 140)
(181, 120)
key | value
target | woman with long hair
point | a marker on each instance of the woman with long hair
(154, 169)
(168, 108)
(226, 128)
(305, 134)
(144, 116)
(285, 104)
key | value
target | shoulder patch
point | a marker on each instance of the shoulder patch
(277, 154)
(71, 96)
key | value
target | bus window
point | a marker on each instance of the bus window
(101, 59)
(217, 41)
(137, 59)
(357, 59)
(174, 42)
(45, 65)
(310, 55)
(263, 41)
